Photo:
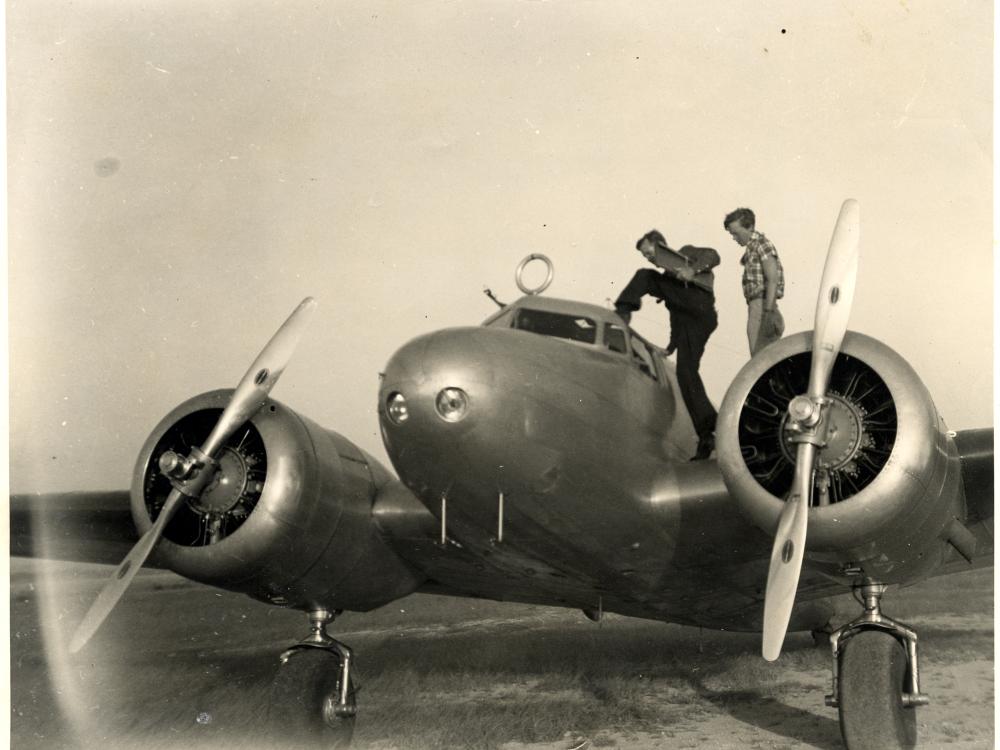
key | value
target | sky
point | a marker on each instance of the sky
(181, 174)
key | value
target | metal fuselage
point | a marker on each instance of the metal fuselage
(568, 480)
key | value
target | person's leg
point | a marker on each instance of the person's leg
(644, 281)
(691, 338)
(769, 331)
(755, 309)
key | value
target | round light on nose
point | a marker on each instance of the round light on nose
(452, 404)
(396, 408)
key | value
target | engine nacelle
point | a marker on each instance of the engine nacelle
(889, 478)
(287, 518)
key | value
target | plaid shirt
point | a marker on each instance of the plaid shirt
(754, 282)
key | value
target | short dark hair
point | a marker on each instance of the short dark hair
(743, 215)
(653, 235)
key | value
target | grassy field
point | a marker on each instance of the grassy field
(180, 665)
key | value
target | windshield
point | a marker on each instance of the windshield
(572, 327)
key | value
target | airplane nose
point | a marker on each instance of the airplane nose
(437, 381)
(455, 407)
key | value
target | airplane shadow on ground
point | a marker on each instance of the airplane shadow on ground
(769, 714)
(754, 708)
(614, 669)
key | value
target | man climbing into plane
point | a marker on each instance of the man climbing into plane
(685, 286)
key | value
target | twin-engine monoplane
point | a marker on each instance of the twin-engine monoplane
(541, 458)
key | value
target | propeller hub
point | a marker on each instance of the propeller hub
(842, 435)
(226, 487)
(804, 412)
(174, 465)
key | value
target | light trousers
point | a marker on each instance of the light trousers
(759, 335)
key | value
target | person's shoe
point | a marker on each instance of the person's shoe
(706, 444)
(624, 313)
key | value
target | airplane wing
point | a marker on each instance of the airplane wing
(975, 447)
(97, 527)
(94, 527)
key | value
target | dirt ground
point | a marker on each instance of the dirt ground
(182, 665)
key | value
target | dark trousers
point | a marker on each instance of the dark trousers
(692, 320)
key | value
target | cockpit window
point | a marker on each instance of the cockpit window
(642, 357)
(614, 339)
(572, 327)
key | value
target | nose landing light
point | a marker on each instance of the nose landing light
(452, 404)
(396, 408)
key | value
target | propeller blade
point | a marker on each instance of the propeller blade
(123, 575)
(836, 293)
(786, 555)
(249, 395)
(833, 308)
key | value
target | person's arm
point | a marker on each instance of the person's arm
(699, 260)
(706, 259)
(667, 260)
(770, 268)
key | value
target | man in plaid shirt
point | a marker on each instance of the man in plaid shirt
(763, 279)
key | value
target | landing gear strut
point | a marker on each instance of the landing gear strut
(312, 697)
(876, 686)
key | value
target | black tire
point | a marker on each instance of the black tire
(873, 676)
(300, 692)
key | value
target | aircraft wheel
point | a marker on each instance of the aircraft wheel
(873, 671)
(303, 692)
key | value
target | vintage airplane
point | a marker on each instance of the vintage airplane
(542, 458)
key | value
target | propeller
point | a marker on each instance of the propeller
(190, 474)
(807, 419)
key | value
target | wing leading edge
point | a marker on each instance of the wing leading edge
(93, 527)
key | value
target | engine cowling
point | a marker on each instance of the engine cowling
(288, 517)
(894, 477)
